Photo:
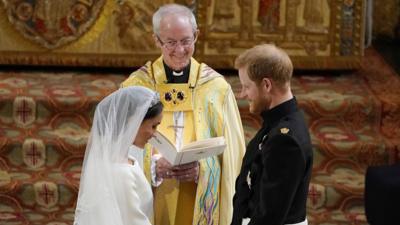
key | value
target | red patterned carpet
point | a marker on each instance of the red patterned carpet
(45, 117)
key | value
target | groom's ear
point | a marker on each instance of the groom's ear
(266, 84)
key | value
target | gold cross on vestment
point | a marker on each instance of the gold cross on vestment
(176, 127)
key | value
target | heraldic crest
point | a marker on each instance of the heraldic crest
(53, 23)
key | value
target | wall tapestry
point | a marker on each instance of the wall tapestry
(317, 34)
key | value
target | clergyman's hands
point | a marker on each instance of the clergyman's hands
(184, 172)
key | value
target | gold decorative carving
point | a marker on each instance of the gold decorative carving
(223, 15)
(385, 15)
(268, 15)
(134, 25)
(313, 15)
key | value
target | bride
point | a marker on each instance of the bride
(113, 188)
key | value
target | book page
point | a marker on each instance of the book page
(196, 154)
(215, 141)
(164, 146)
(191, 152)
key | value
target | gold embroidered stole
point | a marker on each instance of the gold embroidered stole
(173, 198)
(214, 195)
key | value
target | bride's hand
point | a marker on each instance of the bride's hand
(163, 169)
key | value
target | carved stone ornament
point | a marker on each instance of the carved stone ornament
(53, 23)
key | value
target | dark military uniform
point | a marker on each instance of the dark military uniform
(272, 186)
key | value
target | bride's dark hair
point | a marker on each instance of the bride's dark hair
(154, 111)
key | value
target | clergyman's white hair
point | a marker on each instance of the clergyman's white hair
(173, 9)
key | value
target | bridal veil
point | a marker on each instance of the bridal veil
(116, 122)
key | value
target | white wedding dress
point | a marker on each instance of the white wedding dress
(111, 190)
(134, 192)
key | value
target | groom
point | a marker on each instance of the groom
(273, 183)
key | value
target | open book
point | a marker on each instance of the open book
(190, 152)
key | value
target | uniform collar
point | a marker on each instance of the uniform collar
(278, 112)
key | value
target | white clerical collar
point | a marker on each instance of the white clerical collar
(177, 74)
